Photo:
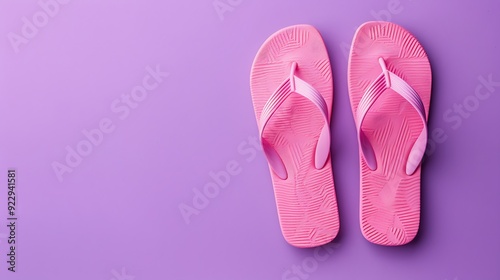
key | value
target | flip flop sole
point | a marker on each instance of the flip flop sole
(306, 203)
(389, 198)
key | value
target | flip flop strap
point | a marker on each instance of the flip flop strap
(386, 80)
(294, 84)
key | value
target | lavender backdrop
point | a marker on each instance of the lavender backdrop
(110, 150)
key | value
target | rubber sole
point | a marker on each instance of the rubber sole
(389, 198)
(306, 203)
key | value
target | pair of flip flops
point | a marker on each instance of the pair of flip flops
(389, 80)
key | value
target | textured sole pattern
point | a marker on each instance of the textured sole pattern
(389, 198)
(306, 203)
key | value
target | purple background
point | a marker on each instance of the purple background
(117, 213)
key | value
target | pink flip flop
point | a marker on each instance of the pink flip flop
(390, 90)
(292, 93)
